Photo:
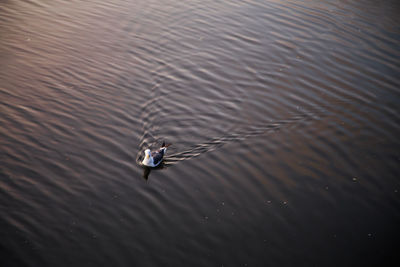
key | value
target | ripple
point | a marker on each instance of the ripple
(289, 108)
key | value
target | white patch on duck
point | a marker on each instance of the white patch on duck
(153, 159)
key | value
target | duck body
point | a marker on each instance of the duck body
(153, 159)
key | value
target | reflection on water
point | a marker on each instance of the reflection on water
(148, 170)
(283, 115)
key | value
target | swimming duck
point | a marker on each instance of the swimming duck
(153, 159)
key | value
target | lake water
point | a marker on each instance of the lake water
(283, 117)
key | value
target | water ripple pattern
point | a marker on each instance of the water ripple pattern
(283, 117)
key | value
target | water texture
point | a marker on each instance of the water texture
(283, 118)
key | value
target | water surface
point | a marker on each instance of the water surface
(283, 115)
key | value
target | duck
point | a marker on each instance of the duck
(153, 159)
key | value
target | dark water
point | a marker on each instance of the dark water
(284, 119)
